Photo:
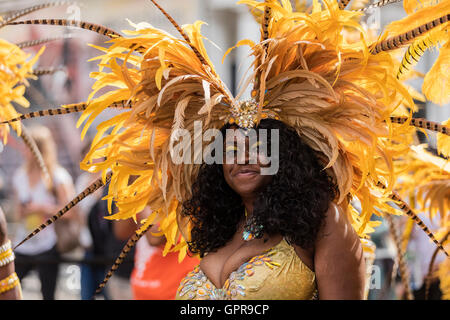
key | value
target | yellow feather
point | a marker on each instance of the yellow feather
(436, 85)
(418, 18)
(443, 141)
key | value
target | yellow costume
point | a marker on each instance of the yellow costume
(317, 69)
(277, 274)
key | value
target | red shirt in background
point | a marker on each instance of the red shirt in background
(156, 277)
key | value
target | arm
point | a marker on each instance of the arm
(338, 259)
(5, 271)
(124, 229)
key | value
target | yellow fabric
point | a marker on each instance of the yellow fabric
(277, 274)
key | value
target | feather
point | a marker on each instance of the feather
(32, 43)
(129, 245)
(70, 108)
(46, 71)
(183, 34)
(89, 190)
(343, 4)
(413, 54)
(179, 113)
(429, 276)
(395, 42)
(37, 155)
(407, 209)
(443, 128)
(436, 85)
(20, 13)
(378, 4)
(421, 17)
(403, 268)
(71, 23)
(443, 140)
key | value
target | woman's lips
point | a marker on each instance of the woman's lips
(246, 173)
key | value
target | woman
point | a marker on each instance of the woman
(36, 202)
(314, 69)
(307, 244)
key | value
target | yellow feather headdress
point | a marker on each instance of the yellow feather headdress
(316, 69)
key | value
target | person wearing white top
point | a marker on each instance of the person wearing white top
(35, 203)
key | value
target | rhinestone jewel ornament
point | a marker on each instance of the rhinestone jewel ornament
(252, 230)
(246, 115)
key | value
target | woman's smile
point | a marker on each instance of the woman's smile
(245, 172)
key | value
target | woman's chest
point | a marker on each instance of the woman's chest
(275, 274)
(219, 265)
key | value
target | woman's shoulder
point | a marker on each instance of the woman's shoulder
(337, 231)
(335, 217)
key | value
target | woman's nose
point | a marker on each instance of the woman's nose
(243, 155)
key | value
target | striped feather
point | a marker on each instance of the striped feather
(72, 23)
(343, 4)
(32, 43)
(89, 190)
(29, 142)
(418, 48)
(20, 13)
(402, 267)
(378, 4)
(443, 141)
(264, 36)
(45, 71)
(130, 244)
(398, 41)
(410, 213)
(413, 55)
(183, 34)
(424, 124)
(265, 23)
(71, 108)
(430, 268)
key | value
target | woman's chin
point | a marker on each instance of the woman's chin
(247, 186)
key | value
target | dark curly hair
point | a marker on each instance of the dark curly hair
(292, 205)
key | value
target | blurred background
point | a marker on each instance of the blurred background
(227, 23)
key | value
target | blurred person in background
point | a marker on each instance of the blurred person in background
(35, 203)
(155, 277)
(83, 181)
(419, 254)
(101, 254)
(91, 274)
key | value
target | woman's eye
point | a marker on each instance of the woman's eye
(255, 145)
(231, 153)
(230, 149)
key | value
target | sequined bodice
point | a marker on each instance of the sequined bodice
(277, 274)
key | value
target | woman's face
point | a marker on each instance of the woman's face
(241, 173)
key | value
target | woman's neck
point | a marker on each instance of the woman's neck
(248, 203)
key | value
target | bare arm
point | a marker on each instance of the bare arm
(338, 259)
(124, 229)
(5, 271)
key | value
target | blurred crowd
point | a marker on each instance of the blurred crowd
(85, 239)
(70, 258)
